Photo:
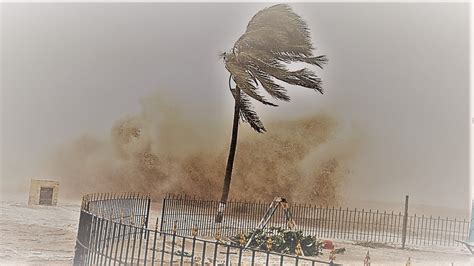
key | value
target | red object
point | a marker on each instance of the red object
(328, 244)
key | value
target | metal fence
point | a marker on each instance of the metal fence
(129, 208)
(113, 230)
(110, 220)
(324, 222)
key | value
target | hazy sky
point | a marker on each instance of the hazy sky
(398, 73)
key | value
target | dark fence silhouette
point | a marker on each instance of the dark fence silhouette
(109, 221)
(113, 230)
(324, 222)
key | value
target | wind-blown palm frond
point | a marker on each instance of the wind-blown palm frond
(248, 114)
(275, 36)
(245, 81)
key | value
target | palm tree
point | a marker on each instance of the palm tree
(275, 37)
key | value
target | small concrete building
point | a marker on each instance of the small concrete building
(43, 192)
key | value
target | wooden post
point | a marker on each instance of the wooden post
(405, 219)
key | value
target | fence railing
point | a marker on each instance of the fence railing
(108, 218)
(104, 239)
(129, 208)
(324, 222)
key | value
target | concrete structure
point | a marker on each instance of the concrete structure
(43, 192)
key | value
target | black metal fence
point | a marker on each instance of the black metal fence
(113, 230)
(324, 222)
(111, 220)
(129, 208)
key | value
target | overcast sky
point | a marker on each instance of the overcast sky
(398, 73)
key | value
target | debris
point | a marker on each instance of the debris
(339, 251)
(282, 241)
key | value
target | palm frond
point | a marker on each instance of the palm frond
(303, 77)
(248, 114)
(277, 28)
(272, 88)
(275, 37)
(317, 60)
(245, 81)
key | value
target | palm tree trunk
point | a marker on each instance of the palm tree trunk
(230, 159)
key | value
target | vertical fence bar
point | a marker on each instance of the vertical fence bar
(378, 226)
(227, 254)
(214, 260)
(454, 232)
(147, 210)
(112, 244)
(163, 247)
(129, 231)
(173, 243)
(362, 224)
(203, 253)
(438, 231)
(253, 257)
(99, 239)
(405, 217)
(107, 240)
(154, 245)
(134, 241)
(122, 242)
(369, 225)
(384, 226)
(94, 240)
(463, 234)
(347, 220)
(338, 225)
(183, 243)
(240, 256)
(163, 208)
(118, 240)
(193, 249)
(147, 234)
(91, 240)
(140, 242)
(446, 234)
(410, 230)
(430, 231)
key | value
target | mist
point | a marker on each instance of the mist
(126, 96)
(164, 150)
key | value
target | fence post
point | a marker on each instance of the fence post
(148, 204)
(405, 219)
(162, 213)
(82, 247)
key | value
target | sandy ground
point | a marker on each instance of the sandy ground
(41, 235)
